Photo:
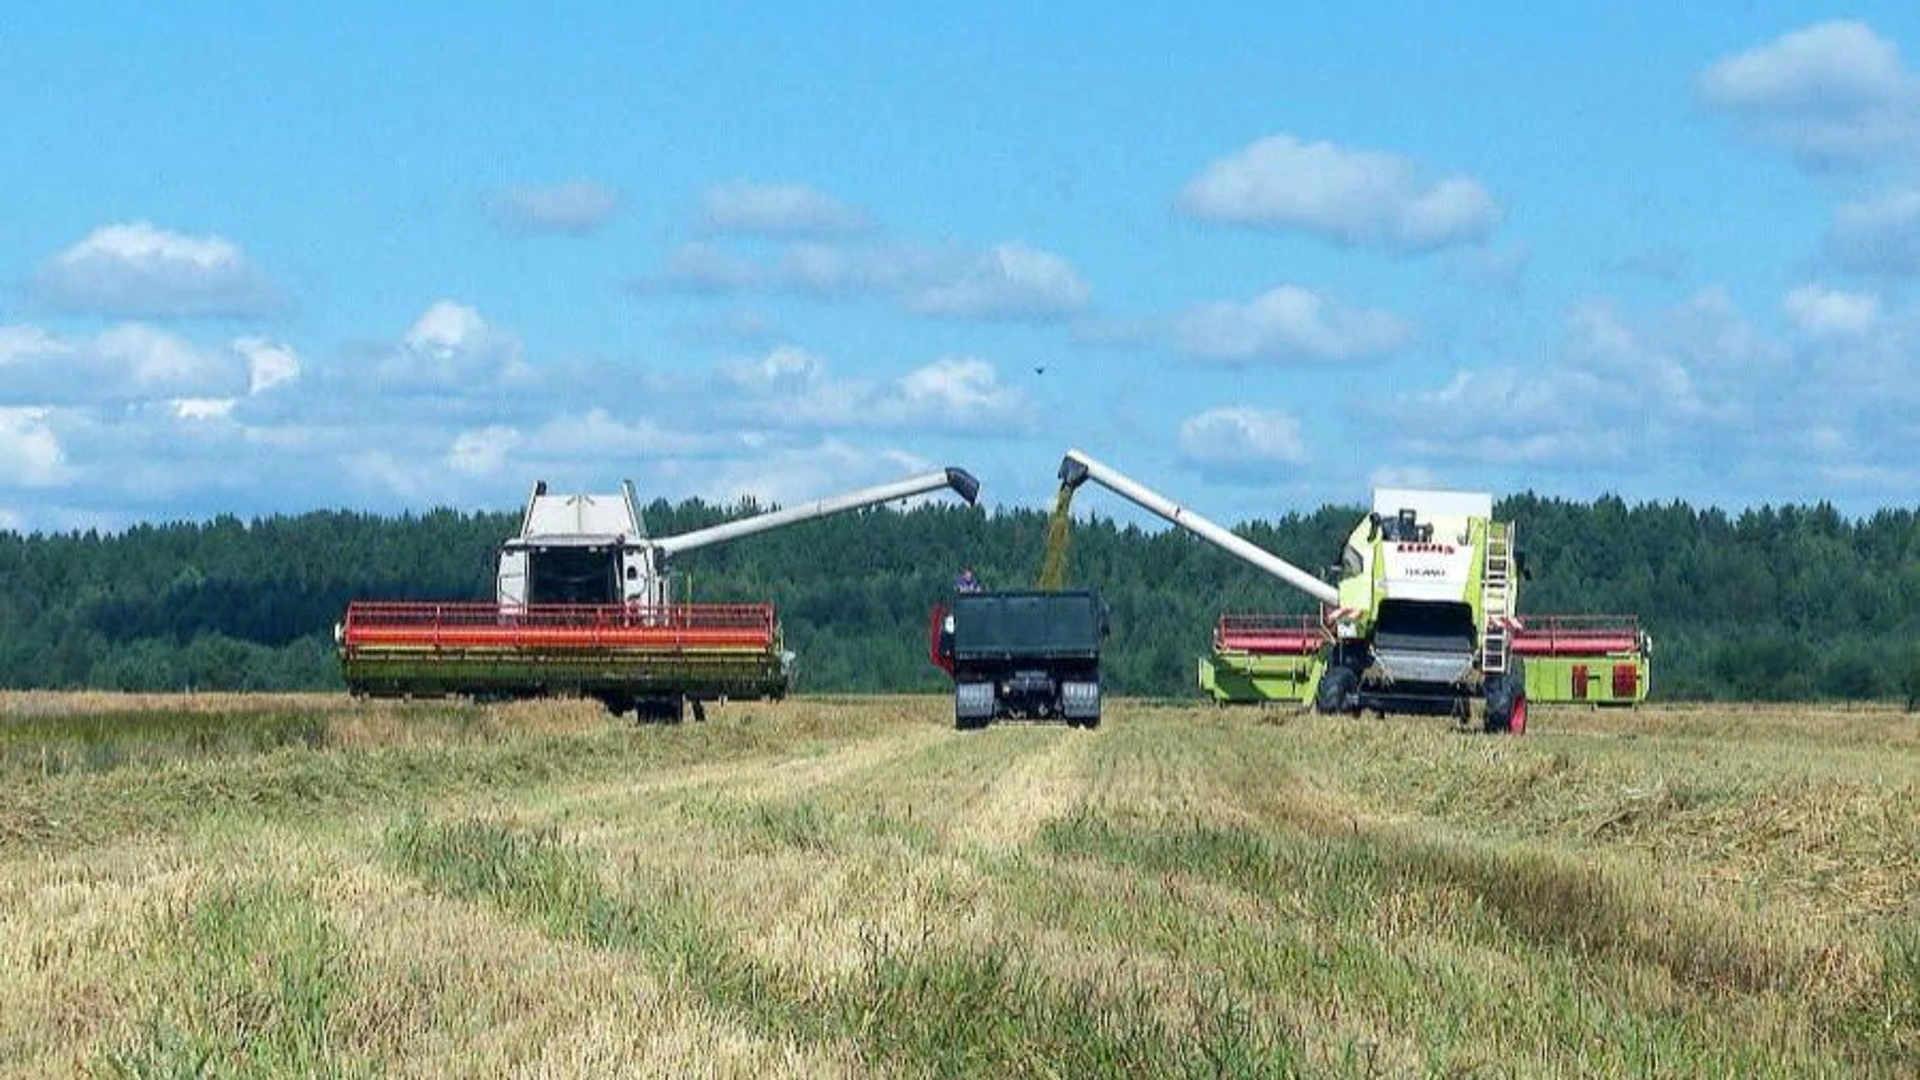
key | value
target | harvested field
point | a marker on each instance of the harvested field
(314, 886)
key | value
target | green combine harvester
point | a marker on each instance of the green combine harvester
(1422, 617)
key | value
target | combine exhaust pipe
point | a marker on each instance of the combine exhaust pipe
(1077, 468)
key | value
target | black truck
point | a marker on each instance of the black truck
(1031, 655)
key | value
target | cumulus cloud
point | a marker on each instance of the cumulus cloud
(1289, 324)
(790, 475)
(269, 364)
(1695, 391)
(30, 452)
(792, 388)
(123, 363)
(483, 452)
(1499, 268)
(1008, 281)
(1878, 235)
(1359, 198)
(204, 408)
(136, 270)
(450, 345)
(777, 211)
(571, 208)
(1242, 439)
(1834, 94)
(1822, 312)
(1404, 476)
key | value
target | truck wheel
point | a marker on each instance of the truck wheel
(1336, 683)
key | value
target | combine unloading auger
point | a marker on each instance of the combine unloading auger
(1423, 617)
(585, 606)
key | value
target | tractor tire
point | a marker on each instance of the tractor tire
(1330, 696)
(1506, 704)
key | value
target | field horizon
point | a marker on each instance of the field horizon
(306, 884)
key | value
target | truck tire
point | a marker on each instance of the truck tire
(974, 705)
(1330, 696)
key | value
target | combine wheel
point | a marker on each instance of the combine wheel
(1337, 684)
(1506, 704)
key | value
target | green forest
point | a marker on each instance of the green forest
(1774, 603)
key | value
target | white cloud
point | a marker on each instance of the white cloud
(780, 211)
(269, 364)
(599, 434)
(1501, 268)
(204, 408)
(125, 362)
(1691, 394)
(30, 452)
(137, 270)
(1354, 197)
(1822, 312)
(1831, 94)
(1242, 439)
(792, 475)
(450, 345)
(482, 453)
(1404, 476)
(572, 208)
(1289, 324)
(1879, 235)
(792, 388)
(1008, 281)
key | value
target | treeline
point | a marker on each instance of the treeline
(1787, 603)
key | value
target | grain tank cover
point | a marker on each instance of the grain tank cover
(581, 519)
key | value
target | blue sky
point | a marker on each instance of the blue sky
(1267, 255)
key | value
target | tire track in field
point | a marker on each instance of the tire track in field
(756, 779)
(1040, 785)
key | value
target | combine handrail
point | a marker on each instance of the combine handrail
(1266, 632)
(1577, 635)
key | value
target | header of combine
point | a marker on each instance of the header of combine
(594, 549)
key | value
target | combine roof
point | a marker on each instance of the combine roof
(580, 519)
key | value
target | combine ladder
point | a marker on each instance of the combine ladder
(1496, 599)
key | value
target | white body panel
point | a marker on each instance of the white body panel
(1437, 570)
